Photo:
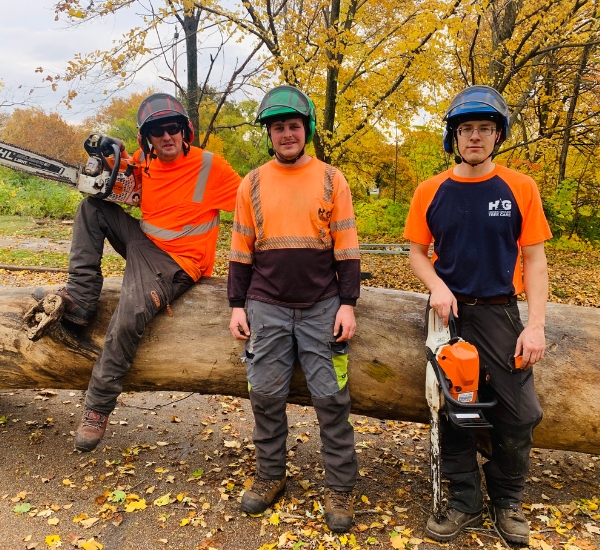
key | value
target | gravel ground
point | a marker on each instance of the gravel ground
(172, 468)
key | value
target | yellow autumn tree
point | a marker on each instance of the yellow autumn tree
(44, 133)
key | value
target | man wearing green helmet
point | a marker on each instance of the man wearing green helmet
(295, 264)
(483, 218)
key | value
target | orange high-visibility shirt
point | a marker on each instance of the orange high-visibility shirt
(294, 239)
(180, 206)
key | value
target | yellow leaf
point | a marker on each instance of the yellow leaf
(91, 545)
(184, 522)
(80, 517)
(67, 482)
(53, 541)
(365, 499)
(53, 521)
(274, 519)
(136, 505)
(398, 541)
(163, 501)
(87, 523)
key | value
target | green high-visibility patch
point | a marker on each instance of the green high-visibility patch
(340, 364)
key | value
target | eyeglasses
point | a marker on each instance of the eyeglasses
(159, 131)
(483, 131)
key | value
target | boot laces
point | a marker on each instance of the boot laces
(340, 499)
(93, 419)
(262, 486)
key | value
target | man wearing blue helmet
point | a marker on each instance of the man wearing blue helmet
(483, 219)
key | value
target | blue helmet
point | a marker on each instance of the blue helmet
(476, 103)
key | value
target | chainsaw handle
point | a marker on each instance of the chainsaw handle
(115, 169)
(452, 325)
(447, 396)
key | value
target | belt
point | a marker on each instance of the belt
(492, 300)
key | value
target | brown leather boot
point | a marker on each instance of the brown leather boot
(511, 523)
(73, 312)
(262, 494)
(451, 524)
(339, 510)
(90, 430)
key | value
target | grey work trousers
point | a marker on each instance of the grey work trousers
(152, 279)
(279, 335)
(493, 330)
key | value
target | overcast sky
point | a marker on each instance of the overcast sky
(31, 38)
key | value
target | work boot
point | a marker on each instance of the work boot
(90, 430)
(339, 510)
(451, 524)
(262, 494)
(511, 524)
(73, 312)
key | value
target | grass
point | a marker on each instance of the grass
(28, 226)
(111, 265)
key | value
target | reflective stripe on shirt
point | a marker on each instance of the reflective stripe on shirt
(207, 160)
(187, 231)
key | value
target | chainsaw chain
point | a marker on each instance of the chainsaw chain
(65, 164)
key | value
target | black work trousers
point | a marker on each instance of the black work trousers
(493, 330)
(152, 279)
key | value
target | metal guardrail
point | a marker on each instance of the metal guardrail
(376, 248)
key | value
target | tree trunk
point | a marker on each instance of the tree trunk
(190, 28)
(194, 351)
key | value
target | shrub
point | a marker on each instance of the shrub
(380, 219)
(23, 195)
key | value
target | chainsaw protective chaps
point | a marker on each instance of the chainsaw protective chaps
(152, 279)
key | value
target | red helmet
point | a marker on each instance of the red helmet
(162, 107)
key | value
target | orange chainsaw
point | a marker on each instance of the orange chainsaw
(113, 179)
(451, 388)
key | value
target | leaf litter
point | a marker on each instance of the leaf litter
(204, 456)
(179, 486)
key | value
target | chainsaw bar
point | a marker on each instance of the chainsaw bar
(36, 164)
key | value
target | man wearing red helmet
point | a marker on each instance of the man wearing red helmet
(167, 251)
(483, 219)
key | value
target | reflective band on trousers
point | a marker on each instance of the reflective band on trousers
(187, 231)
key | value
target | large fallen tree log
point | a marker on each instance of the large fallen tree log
(194, 351)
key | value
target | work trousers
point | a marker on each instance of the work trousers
(152, 279)
(278, 336)
(493, 330)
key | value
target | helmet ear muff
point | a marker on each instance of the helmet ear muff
(188, 132)
(143, 143)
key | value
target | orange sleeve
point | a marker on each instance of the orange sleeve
(535, 228)
(244, 233)
(223, 184)
(342, 222)
(415, 228)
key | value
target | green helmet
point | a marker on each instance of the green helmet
(285, 100)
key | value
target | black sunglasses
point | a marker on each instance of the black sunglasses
(171, 129)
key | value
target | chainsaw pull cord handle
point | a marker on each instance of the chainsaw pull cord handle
(115, 169)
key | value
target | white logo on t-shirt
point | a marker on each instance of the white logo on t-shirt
(500, 208)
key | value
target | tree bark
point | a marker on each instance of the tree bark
(194, 351)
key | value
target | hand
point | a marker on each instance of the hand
(442, 301)
(346, 321)
(106, 145)
(531, 345)
(239, 324)
(97, 143)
